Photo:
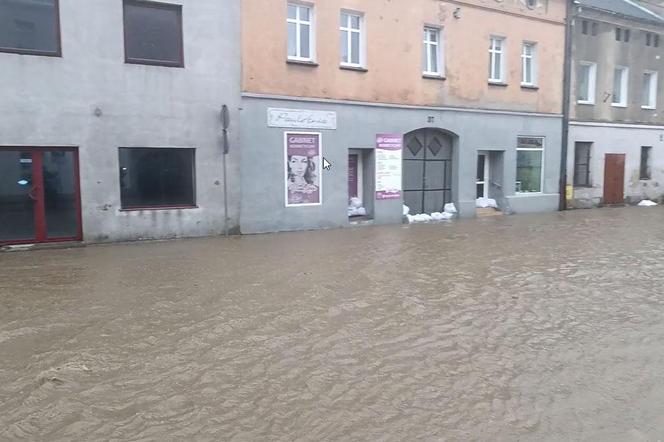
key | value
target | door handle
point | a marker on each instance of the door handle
(31, 195)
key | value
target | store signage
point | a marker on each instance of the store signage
(301, 118)
(388, 166)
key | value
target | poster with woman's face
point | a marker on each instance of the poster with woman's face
(303, 155)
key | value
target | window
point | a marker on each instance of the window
(626, 36)
(594, 29)
(529, 64)
(432, 59)
(352, 44)
(648, 39)
(300, 32)
(529, 160)
(656, 40)
(582, 164)
(30, 27)
(644, 173)
(584, 27)
(620, 78)
(586, 77)
(497, 60)
(157, 178)
(153, 33)
(649, 90)
(618, 34)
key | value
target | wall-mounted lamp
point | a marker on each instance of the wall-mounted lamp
(457, 13)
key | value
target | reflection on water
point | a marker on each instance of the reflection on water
(534, 327)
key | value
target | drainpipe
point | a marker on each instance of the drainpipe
(567, 91)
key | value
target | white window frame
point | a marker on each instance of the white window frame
(624, 86)
(592, 82)
(428, 43)
(533, 63)
(312, 32)
(492, 54)
(532, 149)
(652, 92)
(349, 45)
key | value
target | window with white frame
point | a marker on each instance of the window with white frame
(529, 64)
(497, 60)
(300, 32)
(649, 90)
(432, 60)
(586, 80)
(350, 28)
(620, 79)
(529, 162)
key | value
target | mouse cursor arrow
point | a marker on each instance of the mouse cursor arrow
(326, 164)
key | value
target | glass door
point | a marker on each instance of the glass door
(17, 196)
(482, 176)
(39, 195)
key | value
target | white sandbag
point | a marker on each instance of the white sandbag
(647, 203)
(406, 210)
(421, 218)
(355, 202)
(483, 203)
(438, 216)
(450, 208)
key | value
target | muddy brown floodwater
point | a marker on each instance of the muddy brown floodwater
(532, 327)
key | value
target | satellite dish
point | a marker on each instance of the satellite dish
(225, 117)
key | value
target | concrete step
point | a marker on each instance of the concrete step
(484, 212)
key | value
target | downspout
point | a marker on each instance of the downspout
(567, 91)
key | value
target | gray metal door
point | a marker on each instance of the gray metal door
(427, 171)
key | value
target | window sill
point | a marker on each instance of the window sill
(618, 105)
(311, 64)
(586, 103)
(353, 68)
(526, 194)
(648, 108)
(164, 64)
(31, 52)
(434, 76)
(497, 83)
(530, 87)
(137, 209)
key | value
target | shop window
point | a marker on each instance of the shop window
(157, 178)
(582, 164)
(30, 27)
(645, 163)
(153, 33)
(529, 162)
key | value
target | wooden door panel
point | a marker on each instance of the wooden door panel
(614, 179)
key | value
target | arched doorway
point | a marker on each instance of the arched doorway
(427, 170)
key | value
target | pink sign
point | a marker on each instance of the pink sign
(388, 166)
(303, 166)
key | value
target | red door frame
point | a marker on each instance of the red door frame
(38, 192)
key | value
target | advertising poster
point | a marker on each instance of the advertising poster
(303, 156)
(388, 166)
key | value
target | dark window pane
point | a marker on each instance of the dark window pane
(60, 194)
(17, 204)
(153, 33)
(582, 164)
(656, 40)
(594, 29)
(645, 163)
(648, 38)
(618, 34)
(584, 27)
(29, 26)
(151, 177)
(626, 35)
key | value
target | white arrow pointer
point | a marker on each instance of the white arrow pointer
(326, 164)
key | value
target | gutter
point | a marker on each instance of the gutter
(567, 91)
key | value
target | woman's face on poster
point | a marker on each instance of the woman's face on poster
(298, 165)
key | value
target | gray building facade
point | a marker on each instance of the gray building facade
(466, 133)
(616, 133)
(110, 125)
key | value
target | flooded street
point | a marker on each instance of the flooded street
(532, 327)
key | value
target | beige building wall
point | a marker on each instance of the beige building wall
(394, 34)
